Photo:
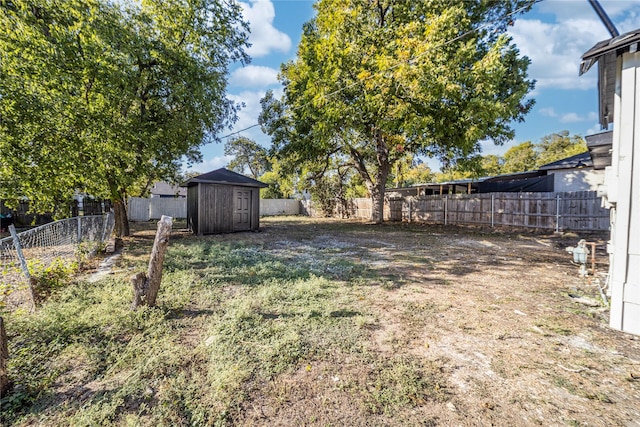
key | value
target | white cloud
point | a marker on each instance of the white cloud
(210, 164)
(489, 147)
(621, 12)
(248, 115)
(548, 112)
(264, 37)
(596, 128)
(568, 117)
(254, 76)
(555, 49)
(571, 118)
(575, 117)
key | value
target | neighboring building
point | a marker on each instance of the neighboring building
(575, 173)
(222, 201)
(618, 61)
(164, 189)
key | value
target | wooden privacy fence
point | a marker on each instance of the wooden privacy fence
(572, 211)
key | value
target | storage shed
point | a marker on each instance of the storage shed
(222, 201)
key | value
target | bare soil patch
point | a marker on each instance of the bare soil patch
(330, 322)
(496, 315)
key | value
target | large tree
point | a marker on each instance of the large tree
(247, 155)
(101, 96)
(520, 158)
(560, 145)
(375, 80)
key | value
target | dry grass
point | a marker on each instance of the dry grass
(322, 322)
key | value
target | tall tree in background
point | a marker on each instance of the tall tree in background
(375, 80)
(558, 146)
(529, 156)
(248, 155)
(101, 96)
(520, 158)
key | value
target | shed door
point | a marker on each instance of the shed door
(242, 209)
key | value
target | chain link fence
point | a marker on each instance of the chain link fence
(65, 241)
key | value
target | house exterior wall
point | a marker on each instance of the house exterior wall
(623, 181)
(584, 179)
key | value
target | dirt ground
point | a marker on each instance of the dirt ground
(518, 336)
(507, 330)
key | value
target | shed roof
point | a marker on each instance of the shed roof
(576, 161)
(224, 176)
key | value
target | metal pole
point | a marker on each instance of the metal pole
(23, 262)
(557, 213)
(492, 208)
(604, 18)
(79, 230)
(445, 210)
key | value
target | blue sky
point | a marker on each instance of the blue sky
(553, 35)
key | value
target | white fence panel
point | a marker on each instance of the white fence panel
(141, 209)
(175, 208)
(273, 207)
(138, 209)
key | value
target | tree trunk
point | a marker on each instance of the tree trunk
(377, 203)
(121, 219)
(380, 181)
(4, 355)
(146, 287)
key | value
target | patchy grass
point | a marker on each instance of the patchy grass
(320, 322)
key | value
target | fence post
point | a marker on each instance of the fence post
(23, 264)
(79, 230)
(557, 213)
(445, 210)
(410, 202)
(4, 356)
(105, 224)
(492, 209)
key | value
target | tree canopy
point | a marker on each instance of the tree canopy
(376, 80)
(98, 96)
(247, 155)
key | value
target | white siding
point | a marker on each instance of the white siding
(273, 207)
(147, 209)
(622, 186)
(138, 209)
(586, 179)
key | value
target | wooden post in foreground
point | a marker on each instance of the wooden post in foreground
(146, 286)
(4, 355)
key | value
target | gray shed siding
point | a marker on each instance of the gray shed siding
(192, 208)
(216, 208)
(211, 208)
